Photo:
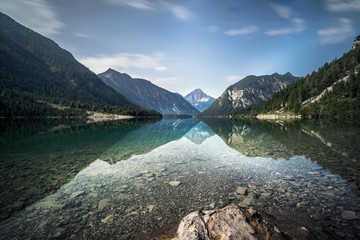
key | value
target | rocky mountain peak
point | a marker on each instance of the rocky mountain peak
(356, 43)
(199, 99)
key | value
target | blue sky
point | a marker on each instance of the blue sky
(207, 44)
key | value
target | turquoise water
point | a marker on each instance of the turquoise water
(130, 179)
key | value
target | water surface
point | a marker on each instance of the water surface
(128, 180)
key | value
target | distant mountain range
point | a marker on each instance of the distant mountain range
(248, 92)
(145, 94)
(199, 100)
(34, 70)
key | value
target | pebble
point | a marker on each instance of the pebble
(108, 219)
(150, 207)
(174, 183)
(103, 204)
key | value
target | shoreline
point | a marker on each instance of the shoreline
(98, 117)
(277, 116)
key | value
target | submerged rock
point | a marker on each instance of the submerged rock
(241, 190)
(349, 215)
(236, 221)
(174, 183)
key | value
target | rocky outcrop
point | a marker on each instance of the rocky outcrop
(147, 95)
(356, 43)
(248, 92)
(236, 221)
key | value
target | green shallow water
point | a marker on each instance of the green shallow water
(129, 179)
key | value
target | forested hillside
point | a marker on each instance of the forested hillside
(35, 69)
(331, 91)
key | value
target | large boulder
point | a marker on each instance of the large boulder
(235, 221)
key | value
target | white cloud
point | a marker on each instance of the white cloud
(38, 15)
(298, 26)
(178, 11)
(213, 28)
(337, 34)
(242, 31)
(124, 62)
(343, 5)
(282, 11)
(233, 78)
(139, 4)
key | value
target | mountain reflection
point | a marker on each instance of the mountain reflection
(145, 139)
(199, 133)
(332, 144)
(38, 156)
(248, 139)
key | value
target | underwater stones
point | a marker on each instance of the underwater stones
(265, 195)
(349, 215)
(108, 219)
(212, 205)
(249, 201)
(241, 190)
(174, 183)
(150, 207)
(123, 196)
(103, 204)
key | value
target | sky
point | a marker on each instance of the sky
(182, 45)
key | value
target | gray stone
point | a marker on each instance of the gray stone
(349, 215)
(103, 204)
(108, 219)
(174, 183)
(241, 190)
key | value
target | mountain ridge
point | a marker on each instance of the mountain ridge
(248, 92)
(146, 94)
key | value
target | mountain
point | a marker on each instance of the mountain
(35, 68)
(145, 94)
(248, 92)
(331, 92)
(199, 100)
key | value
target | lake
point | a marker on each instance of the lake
(132, 179)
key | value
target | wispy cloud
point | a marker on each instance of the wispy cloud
(125, 62)
(343, 5)
(242, 31)
(282, 11)
(213, 28)
(38, 15)
(297, 24)
(82, 35)
(139, 4)
(233, 78)
(341, 32)
(178, 11)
